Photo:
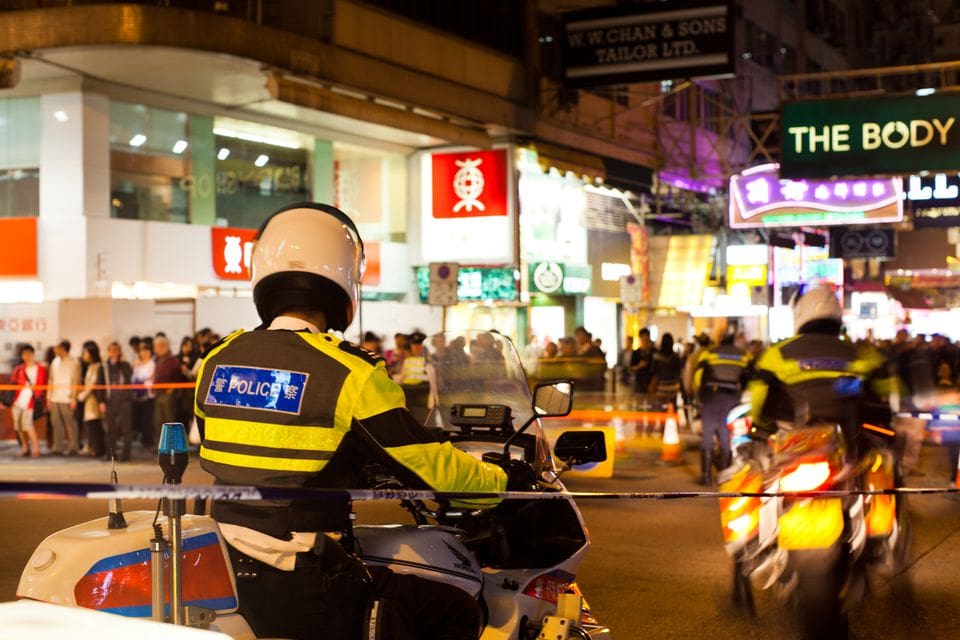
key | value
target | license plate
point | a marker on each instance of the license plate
(811, 524)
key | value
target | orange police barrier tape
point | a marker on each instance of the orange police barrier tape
(599, 415)
(156, 385)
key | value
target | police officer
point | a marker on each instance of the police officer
(816, 376)
(718, 379)
(292, 405)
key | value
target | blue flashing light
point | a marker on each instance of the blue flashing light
(173, 439)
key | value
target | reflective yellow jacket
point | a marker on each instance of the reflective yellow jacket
(816, 376)
(300, 409)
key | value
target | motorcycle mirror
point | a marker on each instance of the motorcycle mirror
(550, 400)
(553, 399)
(580, 447)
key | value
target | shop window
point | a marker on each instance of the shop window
(19, 193)
(370, 187)
(149, 163)
(19, 133)
(258, 174)
(19, 157)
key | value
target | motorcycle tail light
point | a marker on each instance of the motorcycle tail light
(548, 586)
(880, 511)
(806, 476)
(739, 517)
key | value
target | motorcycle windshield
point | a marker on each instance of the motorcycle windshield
(478, 368)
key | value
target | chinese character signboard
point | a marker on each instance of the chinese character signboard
(470, 185)
(231, 252)
(31, 323)
(872, 136)
(759, 197)
(638, 43)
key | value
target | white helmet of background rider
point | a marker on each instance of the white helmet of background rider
(819, 303)
(308, 255)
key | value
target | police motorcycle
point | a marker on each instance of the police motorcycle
(815, 551)
(519, 558)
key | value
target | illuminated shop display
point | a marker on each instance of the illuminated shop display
(829, 270)
(685, 271)
(760, 198)
(475, 284)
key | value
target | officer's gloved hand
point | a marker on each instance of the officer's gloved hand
(520, 475)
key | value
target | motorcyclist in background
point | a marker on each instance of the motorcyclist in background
(816, 376)
(292, 405)
(720, 373)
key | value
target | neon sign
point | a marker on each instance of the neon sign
(760, 198)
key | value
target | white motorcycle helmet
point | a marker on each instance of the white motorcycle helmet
(308, 255)
(819, 303)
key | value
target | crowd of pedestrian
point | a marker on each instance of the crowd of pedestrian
(927, 369)
(100, 406)
(580, 357)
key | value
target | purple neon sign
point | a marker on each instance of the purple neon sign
(760, 198)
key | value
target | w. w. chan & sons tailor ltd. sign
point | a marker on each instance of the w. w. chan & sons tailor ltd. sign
(639, 42)
(870, 136)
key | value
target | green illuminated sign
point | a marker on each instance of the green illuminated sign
(556, 277)
(475, 283)
(817, 217)
(870, 136)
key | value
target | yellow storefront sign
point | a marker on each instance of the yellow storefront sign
(751, 275)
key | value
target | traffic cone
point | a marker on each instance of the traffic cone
(956, 481)
(621, 436)
(670, 452)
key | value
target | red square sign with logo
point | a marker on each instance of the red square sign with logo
(231, 252)
(470, 185)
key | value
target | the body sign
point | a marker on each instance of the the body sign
(875, 136)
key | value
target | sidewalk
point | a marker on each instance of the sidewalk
(142, 467)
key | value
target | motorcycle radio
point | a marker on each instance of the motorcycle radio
(481, 417)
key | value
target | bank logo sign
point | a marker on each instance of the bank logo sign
(760, 197)
(231, 249)
(875, 136)
(470, 185)
(655, 41)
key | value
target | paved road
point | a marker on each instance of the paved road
(657, 568)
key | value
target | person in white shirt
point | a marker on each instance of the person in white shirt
(64, 387)
(143, 370)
